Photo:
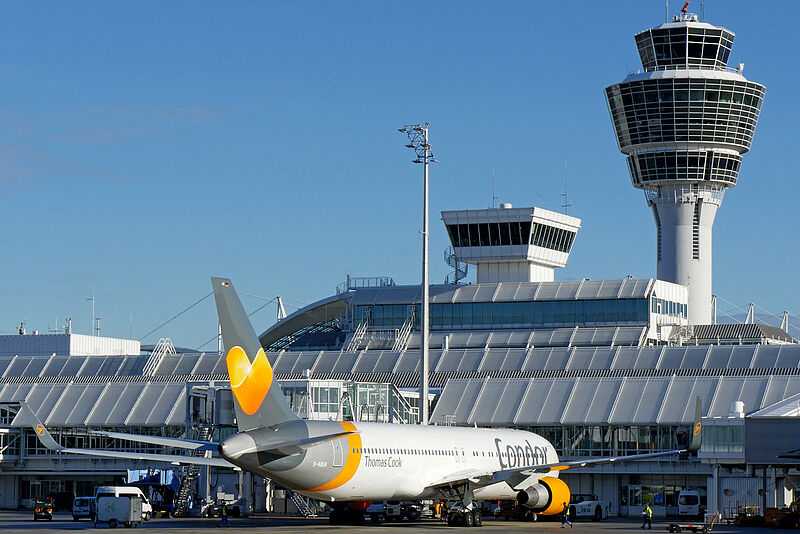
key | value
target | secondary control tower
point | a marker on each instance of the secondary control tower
(684, 124)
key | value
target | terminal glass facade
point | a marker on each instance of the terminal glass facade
(497, 314)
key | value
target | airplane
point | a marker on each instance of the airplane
(350, 464)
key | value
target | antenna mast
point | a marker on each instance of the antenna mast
(564, 200)
(494, 196)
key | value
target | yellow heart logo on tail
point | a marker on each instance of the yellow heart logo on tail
(250, 381)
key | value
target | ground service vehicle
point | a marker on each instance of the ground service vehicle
(788, 517)
(122, 510)
(84, 507)
(586, 505)
(393, 511)
(689, 504)
(119, 491)
(694, 527)
(512, 510)
(43, 508)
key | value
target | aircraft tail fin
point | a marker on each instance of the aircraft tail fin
(697, 426)
(258, 399)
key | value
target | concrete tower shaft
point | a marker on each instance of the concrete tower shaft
(684, 123)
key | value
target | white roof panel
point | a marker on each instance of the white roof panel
(38, 364)
(580, 401)
(67, 401)
(678, 397)
(345, 362)
(602, 358)
(73, 365)
(742, 356)
(80, 412)
(304, 360)
(510, 401)
(106, 403)
(530, 409)
(787, 357)
(207, 363)
(387, 361)
(448, 400)
(485, 407)
(470, 361)
(557, 359)
(729, 389)
(468, 399)
(553, 408)
(602, 402)
(366, 361)
(111, 366)
(654, 391)
(625, 357)
(630, 396)
(694, 357)
(124, 407)
(514, 360)
(144, 403)
(50, 401)
(766, 357)
(753, 391)
(450, 361)
(165, 408)
(326, 361)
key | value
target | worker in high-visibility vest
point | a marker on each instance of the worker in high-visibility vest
(647, 517)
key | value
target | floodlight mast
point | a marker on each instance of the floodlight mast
(418, 140)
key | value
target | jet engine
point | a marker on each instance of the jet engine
(547, 497)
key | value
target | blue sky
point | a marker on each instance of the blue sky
(146, 146)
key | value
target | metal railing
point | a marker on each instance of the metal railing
(364, 281)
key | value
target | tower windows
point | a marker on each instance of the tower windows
(696, 230)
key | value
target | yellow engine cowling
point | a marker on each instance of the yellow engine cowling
(547, 497)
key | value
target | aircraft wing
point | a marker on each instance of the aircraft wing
(515, 476)
(475, 477)
(26, 417)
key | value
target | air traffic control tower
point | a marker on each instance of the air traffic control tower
(684, 124)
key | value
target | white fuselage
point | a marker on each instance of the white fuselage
(389, 461)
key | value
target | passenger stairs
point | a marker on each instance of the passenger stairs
(190, 473)
(304, 504)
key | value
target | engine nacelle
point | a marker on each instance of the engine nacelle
(547, 497)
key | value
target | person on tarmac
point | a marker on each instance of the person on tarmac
(565, 516)
(647, 516)
(224, 516)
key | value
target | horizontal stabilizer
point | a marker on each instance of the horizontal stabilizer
(160, 440)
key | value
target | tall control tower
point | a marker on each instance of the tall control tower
(684, 124)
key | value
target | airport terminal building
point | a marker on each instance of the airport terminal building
(598, 367)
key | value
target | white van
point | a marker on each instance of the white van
(118, 491)
(689, 504)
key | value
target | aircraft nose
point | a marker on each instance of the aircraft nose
(235, 446)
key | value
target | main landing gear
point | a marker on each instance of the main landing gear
(463, 513)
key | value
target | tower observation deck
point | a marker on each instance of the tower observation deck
(684, 123)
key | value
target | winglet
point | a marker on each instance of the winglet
(697, 427)
(25, 417)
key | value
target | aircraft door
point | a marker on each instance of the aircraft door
(462, 455)
(338, 452)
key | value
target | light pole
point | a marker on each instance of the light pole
(418, 140)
